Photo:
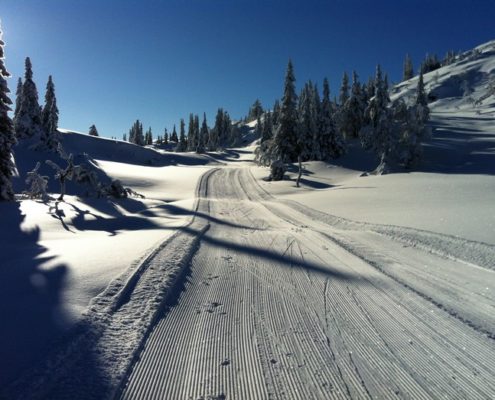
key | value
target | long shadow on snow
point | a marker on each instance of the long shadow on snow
(269, 255)
(32, 315)
(85, 220)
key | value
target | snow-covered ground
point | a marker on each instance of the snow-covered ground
(350, 286)
(62, 254)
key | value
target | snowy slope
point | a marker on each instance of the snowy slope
(62, 254)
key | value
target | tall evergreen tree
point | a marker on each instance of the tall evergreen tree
(377, 134)
(165, 137)
(49, 118)
(344, 89)
(149, 137)
(182, 145)
(331, 141)
(353, 110)
(267, 131)
(216, 131)
(192, 141)
(27, 123)
(255, 111)
(408, 71)
(285, 140)
(203, 136)
(173, 136)
(7, 135)
(136, 135)
(93, 131)
(18, 98)
(276, 113)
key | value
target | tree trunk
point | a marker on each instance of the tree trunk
(299, 160)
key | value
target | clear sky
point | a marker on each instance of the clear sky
(114, 61)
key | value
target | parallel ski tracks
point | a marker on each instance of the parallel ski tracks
(320, 314)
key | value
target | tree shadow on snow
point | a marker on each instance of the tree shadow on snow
(32, 313)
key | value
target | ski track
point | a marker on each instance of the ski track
(284, 302)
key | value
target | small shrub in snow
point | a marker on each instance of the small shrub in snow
(37, 184)
(63, 174)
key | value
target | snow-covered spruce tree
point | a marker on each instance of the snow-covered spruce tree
(149, 137)
(255, 111)
(276, 113)
(411, 125)
(307, 122)
(225, 133)
(49, 118)
(182, 144)
(331, 141)
(37, 184)
(18, 98)
(136, 135)
(344, 89)
(27, 123)
(216, 131)
(124, 137)
(165, 137)
(203, 136)
(267, 130)
(377, 133)
(408, 71)
(7, 135)
(173, 136)
(94, 132)
(353, 110)
(192, 140)
(285, 138)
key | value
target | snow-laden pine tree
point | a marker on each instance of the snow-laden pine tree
(352, 111)
(216, 131)
(94, 132)
(276, 113)
(27, 123)
(173, 136)
(226, 131)
(192, 140)
(285, 138)
(344, 89)
(331, 141)
(267, 130)
(255, 111)
(411, 125)
(377, 134)
(136, 135)
(308, 123)
(203, 136)
(182, 144)
(408, 71)
(49, 118)
(18, 98)
(7, 135)
(149, 137)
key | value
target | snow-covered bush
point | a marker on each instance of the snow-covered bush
(37, 184)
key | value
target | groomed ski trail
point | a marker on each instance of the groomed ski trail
(282, 302)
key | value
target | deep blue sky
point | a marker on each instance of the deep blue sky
(113, 61)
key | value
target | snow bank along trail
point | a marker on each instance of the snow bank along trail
(95, 357)
(281, 302)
